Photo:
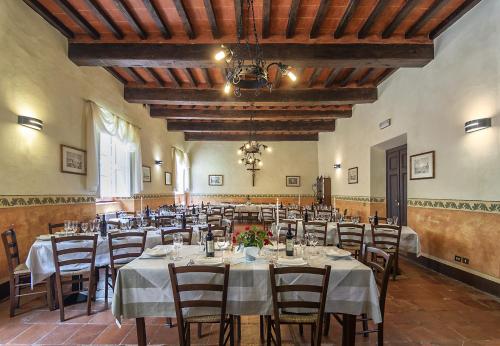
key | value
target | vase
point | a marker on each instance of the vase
(251, 253)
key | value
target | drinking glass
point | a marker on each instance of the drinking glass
(178, 240)
(91, 224)
(313, 240)
(221, 242)
(84, 226)
(395, 220)
(389, 221)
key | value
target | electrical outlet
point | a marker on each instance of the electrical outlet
(465, 260)
(458, 258)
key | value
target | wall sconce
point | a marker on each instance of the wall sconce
(32, 123)
(336, 165)
(159, 162)
(477, 124)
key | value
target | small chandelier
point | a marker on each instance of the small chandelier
(251, 151)
(253, 73)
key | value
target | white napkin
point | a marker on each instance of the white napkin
(338, 253)
(291, 261)
(154, 252)
(208, 260)
(44, 237)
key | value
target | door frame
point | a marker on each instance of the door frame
(387, 202)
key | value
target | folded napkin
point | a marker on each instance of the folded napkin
(154, 252)
(208, 261)
(337, 253)
(291, 261)
(44, 237)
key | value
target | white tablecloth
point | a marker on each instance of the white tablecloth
(143, 287)
(409, 241)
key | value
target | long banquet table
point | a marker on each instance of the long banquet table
(143, 289)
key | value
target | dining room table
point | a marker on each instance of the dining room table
(143, 287)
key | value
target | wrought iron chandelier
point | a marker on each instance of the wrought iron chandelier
(252, 73)
(251, 151)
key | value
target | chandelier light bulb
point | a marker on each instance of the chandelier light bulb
(247, 145)
(239, 152)
(292, 76)
(261, 163)
(220, 55)
(240, 162)
(268, 149)
(227, 88)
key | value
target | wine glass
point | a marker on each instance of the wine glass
(84, 226)
(91, 224)
(395, 220)
(178, 240)
(220, 242)
(313, 240)
(390, 221)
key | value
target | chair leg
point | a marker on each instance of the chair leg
(90, 293)
(326, 328)
(231, 331)
(60, 300)
(261, 327)
(188, 333)
(199, 331)
(169, 322)
(239, 327)
(395, 268)
(12, 297)
(313, 330)
(106, 286)
(48, 287)
(365, 324)
(269, 335)
(301, 329)
(380, 334)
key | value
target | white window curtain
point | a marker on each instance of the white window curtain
(100, 121)
(181, 170)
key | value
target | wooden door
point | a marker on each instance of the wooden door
(396, 171)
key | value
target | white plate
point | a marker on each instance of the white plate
(289, 262)
(156, 252)
(338, 253)
(208, 261)
(44, 237)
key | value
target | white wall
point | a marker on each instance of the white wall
(39, 80)
(287, 158)
(431, 105)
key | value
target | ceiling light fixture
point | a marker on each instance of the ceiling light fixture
(32, 123)
(249, 71)
(477, 124)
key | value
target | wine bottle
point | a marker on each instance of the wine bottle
(209, 241)
(202, 206)
(104, 227)
(147, 211)
(183, 221)
(193, 211)
(375, 219)
(289, 241)
(306, 216)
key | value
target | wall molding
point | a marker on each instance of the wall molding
(245, 195)
(456, 204)
(148, 196)
(15, 201)
(365, 199)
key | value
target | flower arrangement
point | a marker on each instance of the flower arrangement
(254, 236)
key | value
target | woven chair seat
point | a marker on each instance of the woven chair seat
(21, 269)
(203, 319)
(298, 318)
(75, 272)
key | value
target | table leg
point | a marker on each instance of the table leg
(141, 331)
(348, 330)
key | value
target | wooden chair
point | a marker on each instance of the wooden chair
(296, 211)
(387, 238)
(351, 237)
(215, 219)
(123, 248)
(54, 227)
(267, 215)
(280, 304)
(284, 228)
(83, 248)
(371, 258)
(19, 274)
(167, 235)
(229, 213)
(326, 215)
(224, 320)
(164, 221)
(218, 231)
(216, 211)
(319, 228)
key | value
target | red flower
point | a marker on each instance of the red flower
(266, 242)
(270, 233)
(247, 228)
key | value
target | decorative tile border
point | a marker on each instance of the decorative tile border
(365, 199)
(148, 196)
(456, 204)
(250, 196)
(34, 200)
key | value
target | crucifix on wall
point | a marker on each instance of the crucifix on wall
(253, 170)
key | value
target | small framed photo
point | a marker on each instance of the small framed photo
(168, 178)
(73, 160)
(146, 174)
(293, 180)
(352, 175)
(423, 166)
(215, 180)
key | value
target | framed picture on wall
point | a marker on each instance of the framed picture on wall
(293, 180)
(352, 175)
(73, 160)
(146, 174)
(422, 166)
(215, 180)
(168, 178)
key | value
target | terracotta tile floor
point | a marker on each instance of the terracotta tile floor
(423, 308)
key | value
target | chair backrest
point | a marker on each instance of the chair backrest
(282, 213)
(125, 246)
(267, 214)
(218, 231)
(114, 224)
(284, 227)
(285, 295)
(382, 272)
(54, 226)
(319, 228)
(220, 274)
(215, 219)
(351, 235)
(326, 215)
(229, 213)
(162, 221)
(9, 241)
(167, 235)
(81, 247)
(216, 211)
(386, 236)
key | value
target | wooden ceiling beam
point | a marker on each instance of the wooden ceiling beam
(240, 114)
(331, 77)
(78, 18)
(104, 17)
(238, 14)
(280, 97)
(348, 77)
(115, 74)
(154, 11)
(186, 23)
(314, 77)
(297, 55)
(344, 21)
(384, 75)
(135, 75)
(320, 17)
(400, 16)
(292, 18)
(377, 10)
(173, 78)
(453, 17)
(268, 137)
(156, 76)
(207, 78)
(42, 11)
(190, 77)
(424, 18)
(365, 77)
(211, 18)
(247, 125)
(131, 18)
(266, 15)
